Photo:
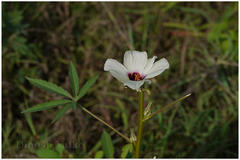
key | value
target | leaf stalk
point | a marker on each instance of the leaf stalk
(103, 122)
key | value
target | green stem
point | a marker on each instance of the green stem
(140, 124)
(103, 122)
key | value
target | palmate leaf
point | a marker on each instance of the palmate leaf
(86, 86)
(48, 86)
(47, 105)
(61, 112)
(107, 145)
(73, 76)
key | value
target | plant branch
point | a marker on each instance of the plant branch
(166, 107)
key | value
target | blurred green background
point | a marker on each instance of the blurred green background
(200, 41)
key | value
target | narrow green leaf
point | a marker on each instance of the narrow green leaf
(99, 154)
(61, 112)
(74, 104)
(125, 150)
(48, 86)
(47, 105)
(47, 153)
(86, 86)
(30, 123)
(107, 145)
(73, 79)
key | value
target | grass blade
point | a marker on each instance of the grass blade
(73, 76)
(48, 86)
(61, 112)
(86, 86)
(28, 118)
(107, 145)
(30, 123)
(46, 105)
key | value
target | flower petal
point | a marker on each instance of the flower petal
(135, 61)
(149, 64)
(116, 69)
(157, 68)
(134, 84)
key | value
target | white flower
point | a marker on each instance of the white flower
(136, 68)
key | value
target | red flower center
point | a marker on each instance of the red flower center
(135, 76)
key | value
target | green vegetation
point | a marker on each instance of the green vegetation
(40, 40)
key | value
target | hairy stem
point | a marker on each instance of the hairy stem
(140, 124)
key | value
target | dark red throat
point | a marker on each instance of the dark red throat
(135, 76)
